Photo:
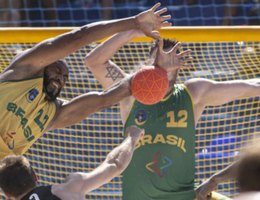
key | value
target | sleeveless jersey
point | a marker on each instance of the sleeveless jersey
(40, 193)
(24, 114)
(163, 165)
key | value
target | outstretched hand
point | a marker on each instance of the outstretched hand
(171, 60)
(151, 21)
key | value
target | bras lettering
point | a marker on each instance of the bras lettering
(19, 112)
(160, 138)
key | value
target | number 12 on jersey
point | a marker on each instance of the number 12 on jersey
(179, 120)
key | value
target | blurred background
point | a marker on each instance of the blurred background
(42, 13)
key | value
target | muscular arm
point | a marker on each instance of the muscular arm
(50, 50)
(207, 92)
(80, 107)
(107, 72)
(98, 60)
(78, 185)
(32, 61)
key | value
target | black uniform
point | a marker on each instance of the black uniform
(40, 193)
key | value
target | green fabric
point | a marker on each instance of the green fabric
(163, 164)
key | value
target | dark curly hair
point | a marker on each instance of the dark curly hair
(16, 175)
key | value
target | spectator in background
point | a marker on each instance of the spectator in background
(50, 13)
(107, 5)
(232, 9)
(35, 8)
(107, 12)
(10, 13)
(254, 14)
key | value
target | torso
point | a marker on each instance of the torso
(163, 164)
(25, 114)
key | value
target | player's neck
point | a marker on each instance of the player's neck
(171, 89)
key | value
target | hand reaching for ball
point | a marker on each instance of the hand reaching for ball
(171, 60)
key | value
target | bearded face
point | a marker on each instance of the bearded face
(55, 77)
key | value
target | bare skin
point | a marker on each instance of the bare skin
(44, 59)
(204, 92)
(78, 184)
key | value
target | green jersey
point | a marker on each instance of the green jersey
(163, 165)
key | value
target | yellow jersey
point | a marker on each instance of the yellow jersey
(24, 113)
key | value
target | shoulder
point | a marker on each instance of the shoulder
(195, 82)
(198, 87)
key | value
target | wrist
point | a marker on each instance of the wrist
(215, 180)
(134, 140)
(136, 22)
(161, 68)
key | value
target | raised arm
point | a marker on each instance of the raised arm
(49, 51)
(98, 60)
(207, 92)
(78, 185)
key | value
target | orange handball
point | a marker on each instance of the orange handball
(149, 85)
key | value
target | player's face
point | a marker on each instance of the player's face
(55, 77)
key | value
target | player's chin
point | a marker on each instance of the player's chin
(52, 95)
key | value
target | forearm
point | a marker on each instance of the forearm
(106, 50)
(80, 107)
(99, 30)
(62, 45)
(120, 157)
(225, 174)
(114, 164)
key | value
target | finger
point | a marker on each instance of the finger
(175, 48)
(161, 11)
(154, 8)
(185, 66)
(154, 34)
(166, 24)
(165, 17)
(189, 59)
(184, 53)
(160, 49)
(161, 45)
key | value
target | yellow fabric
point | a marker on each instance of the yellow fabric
(24, 114)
